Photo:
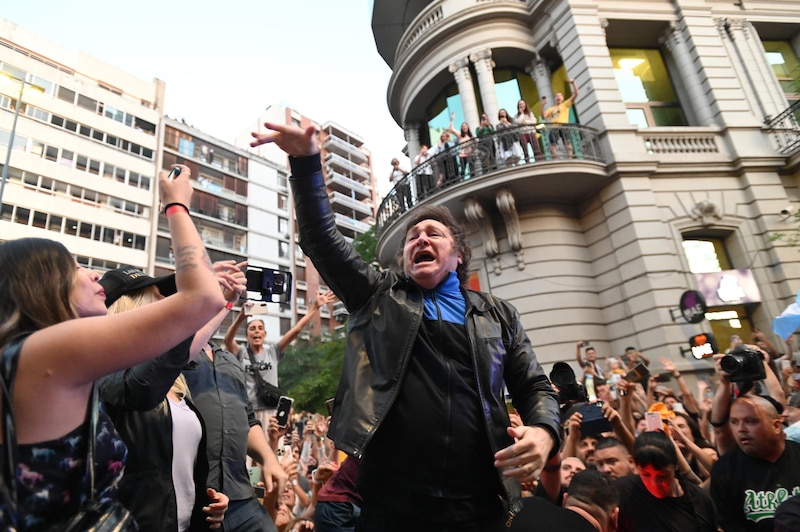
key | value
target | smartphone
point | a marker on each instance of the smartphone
(653, 421)
(259, 307)
(255, 475)
(284, 409)
(329, 406)
(664, 377)
(585, 343)
(175, 172)
(638, 373)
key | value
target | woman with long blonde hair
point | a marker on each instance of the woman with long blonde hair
(164, 485)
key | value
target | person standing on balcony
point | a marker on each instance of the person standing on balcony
(559, 114)
(507, 142)
(424, 370)
(526, 120)
(485, 142)
(425, 181)
(266, 355)
(401, 188)
(446, 159)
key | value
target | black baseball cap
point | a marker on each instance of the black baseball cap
(128, 279)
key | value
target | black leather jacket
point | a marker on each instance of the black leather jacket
(385, 314)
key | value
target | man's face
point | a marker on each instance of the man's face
(755, 433)
(559, 97)
(429, 254)
(792, 414)
(591, 354)
(669, 402)
(659, 482)
(570, 466)
(604, 393)
(614, 461)
(586, 449)
(256, 333)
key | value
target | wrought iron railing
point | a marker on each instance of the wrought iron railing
(785, 128)
(480, 156)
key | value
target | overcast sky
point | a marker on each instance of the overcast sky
(224, 62)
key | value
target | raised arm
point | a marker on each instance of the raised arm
(323, 298)
(76, 352)
(574, 95)
(232, 279)
(688, 399)
(231, 345)
(578, 354)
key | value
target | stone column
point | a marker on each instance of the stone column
(411, 132)
(675, 41)
(484, 68)
(460, 71)
(540, 74)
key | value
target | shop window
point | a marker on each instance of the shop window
(646, 88)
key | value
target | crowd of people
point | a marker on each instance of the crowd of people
(460, 154)
(421, 434)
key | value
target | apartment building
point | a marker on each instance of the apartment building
(679, 160)
(347, 166)
(85, 149)
(239, 206)
(89, 140)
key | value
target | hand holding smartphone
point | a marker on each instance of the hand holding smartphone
(284, 410)
(653, 422)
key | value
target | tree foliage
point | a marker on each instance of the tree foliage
(366, 244)
(791, 237)
(310, 372)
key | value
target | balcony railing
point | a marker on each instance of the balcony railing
(485, 155)
(785, 128)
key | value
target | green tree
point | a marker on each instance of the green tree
(791, 237)
(366, 243)
(310, 372)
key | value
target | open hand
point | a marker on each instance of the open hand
(291, 139)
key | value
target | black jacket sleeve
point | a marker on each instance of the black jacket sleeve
(145, 385)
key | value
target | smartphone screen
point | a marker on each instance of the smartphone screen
(284, 409)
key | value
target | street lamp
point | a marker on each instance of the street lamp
(4, 76)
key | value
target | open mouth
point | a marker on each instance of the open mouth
(423, 257)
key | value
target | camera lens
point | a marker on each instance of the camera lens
(731, 363)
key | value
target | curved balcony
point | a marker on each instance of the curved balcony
(500, 154)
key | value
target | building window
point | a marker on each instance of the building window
(646, 88)
(785, 65)
(706, 255)
(283, 202)
(283, 226)
(283, 249)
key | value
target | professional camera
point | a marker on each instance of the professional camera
(569, 391)
(743, 364)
